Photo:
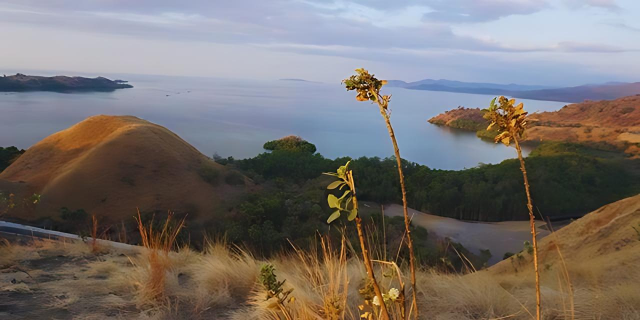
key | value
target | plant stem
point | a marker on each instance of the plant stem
(383, 104)
(284, 311)
(365, 251)
(533, 227)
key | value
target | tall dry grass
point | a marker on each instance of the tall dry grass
(221, 282)
(156, 262)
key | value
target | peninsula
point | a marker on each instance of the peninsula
(21, 82)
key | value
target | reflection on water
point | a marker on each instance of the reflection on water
(235, 117)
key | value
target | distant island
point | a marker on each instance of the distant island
(20, 82)
(297, 80)
(605, 91)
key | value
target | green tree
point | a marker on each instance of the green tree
(291, 143)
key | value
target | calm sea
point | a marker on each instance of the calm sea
(235, 117)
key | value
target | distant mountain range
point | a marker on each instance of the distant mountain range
(20, 82)
(605, 91)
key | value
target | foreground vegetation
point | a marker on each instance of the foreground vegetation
(44, 279)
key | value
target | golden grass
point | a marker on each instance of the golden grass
(221, 283)
(153, 269)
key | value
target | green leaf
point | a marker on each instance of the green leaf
(346, 193)
(335, 184)
(333, 216)
(353, 214)
(333, 201)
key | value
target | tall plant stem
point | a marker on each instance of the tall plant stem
(365, 251)
(383, 105)
(533, 228)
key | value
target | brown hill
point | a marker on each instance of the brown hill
(602, 241)
(608, 124)
(613, 122)
(111, 165)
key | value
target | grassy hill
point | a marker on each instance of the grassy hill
(111, 166)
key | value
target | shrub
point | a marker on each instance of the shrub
(291, 143)
(209, 174)
(234, 178)
(8, 156)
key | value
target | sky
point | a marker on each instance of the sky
(545, 42)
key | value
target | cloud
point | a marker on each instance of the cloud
(606, 4)
(481, 10)
(624, 26)
(401, 32)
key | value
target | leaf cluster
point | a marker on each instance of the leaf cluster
(508, 118)
(344, 203)
(270, 282)
(367, 86)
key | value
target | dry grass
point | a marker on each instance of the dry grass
(155, 268)
(221, 283)
(587, 273)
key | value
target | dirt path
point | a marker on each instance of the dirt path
(498, 237)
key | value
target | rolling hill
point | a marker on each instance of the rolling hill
(605, 91)
(111, 165)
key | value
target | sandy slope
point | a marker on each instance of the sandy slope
(605, 237)
(498, 237)
(110, 165)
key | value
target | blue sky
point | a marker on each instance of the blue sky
(550, 42)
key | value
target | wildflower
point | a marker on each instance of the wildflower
(393, 294)
(376, 301)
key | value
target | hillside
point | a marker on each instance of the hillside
(606, 240)
(20, 82)
(608, 124)
(616, 123)
(111, 165)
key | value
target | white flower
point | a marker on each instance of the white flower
(376, 301)
(393, 294)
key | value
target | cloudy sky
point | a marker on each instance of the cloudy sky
(552, 42)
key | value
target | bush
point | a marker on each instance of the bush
(290, 143)
(234, 178)
(8, 156)
(209, 174)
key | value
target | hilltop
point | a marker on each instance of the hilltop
(20, 82)
(111, 165)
